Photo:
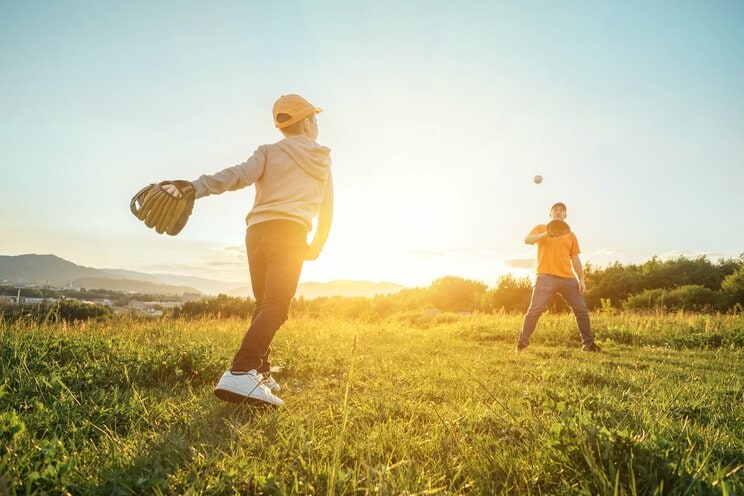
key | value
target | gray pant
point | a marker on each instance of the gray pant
(545, 288)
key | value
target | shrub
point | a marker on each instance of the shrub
(456, 294)
(732, 290)
(62, 310)
(690, 297)
(222, 306)
(511, 295)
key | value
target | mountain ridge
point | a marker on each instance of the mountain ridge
(52, 270)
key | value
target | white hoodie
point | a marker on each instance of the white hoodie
(292, 178)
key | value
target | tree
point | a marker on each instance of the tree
(221, 306)
(732, 289)
(618, 282)
(511, 295)
(615, 283)
(71, 310)
(690, 297)
(455, 294)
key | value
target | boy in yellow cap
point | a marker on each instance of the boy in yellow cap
(556, 256)
(293, 185)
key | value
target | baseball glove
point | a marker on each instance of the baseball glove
(161, 210)
(558, 228)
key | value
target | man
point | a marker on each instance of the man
(555, 258)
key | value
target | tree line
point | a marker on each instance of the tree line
(119, 298)
(57, 311)
(690, 284)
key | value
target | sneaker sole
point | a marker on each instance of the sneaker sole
(231, 397)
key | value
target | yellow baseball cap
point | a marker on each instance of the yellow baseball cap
(289, 109)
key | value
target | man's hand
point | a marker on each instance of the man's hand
(582, 287)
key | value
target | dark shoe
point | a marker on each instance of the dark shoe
(520, 347)
(591, 348)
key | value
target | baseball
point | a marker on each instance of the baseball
(538, 179)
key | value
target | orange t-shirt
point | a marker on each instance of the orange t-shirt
(554, 254)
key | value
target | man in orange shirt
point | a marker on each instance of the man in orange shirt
(555, 257)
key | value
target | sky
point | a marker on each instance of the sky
(438, 115)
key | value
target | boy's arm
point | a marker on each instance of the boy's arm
(232, 178)
(325, 218)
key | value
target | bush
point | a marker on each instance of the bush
(619, 282)
(690, 297)
(71, 310)
(62, 310)
(732, 290)
(222, 306)
(511, 295)
(455, 294)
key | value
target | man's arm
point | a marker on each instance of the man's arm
(579, 270)
(531, 239)
(325, 219)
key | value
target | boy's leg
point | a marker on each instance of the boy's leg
(545, 288)
(283, 250)
(265, 361)
(570, 292)
(257, 268)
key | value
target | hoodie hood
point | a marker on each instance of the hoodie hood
(311, 157)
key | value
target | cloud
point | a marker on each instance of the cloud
(231, 249)
(240, 263)
(674, 254)
(454, 252)
(521, 263)
(427, 253)
(165, 267)
(607, 252)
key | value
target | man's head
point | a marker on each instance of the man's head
(295, 116)
(558, 211)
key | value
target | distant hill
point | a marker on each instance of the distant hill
(206, 286)
(52, 270)
(40, 269)
(55, 271)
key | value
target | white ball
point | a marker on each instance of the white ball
(538, 179)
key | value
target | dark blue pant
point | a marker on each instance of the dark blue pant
(545, 288)
(276, 252)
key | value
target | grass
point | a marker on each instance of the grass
(412, 404)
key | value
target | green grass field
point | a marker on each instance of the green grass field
(413, 404)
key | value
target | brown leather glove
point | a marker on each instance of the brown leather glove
(164, 206)
(557, 228)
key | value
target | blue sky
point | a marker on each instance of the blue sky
(438, 115)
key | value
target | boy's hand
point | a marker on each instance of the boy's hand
(313, 251)
(164, 206)
(172, 190)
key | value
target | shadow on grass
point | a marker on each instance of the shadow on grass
(176, 449)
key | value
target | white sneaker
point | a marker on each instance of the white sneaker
(245, 388)
(269, 382)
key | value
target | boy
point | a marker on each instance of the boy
(555, 257)
(293, 185)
